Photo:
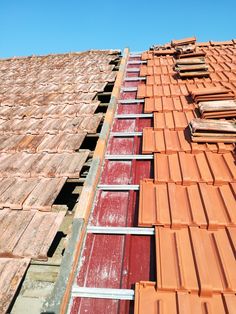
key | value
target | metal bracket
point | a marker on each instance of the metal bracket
(120, 230)
(126, 134)
(132, 70)
(137, 62)
(118, 187)
(135, 54)
(129, 157)
(129, 89)
(130, 101)
(134, 115)
(134, 78)
(102, 293)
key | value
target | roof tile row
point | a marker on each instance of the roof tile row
(28, 165)
(146, 91)
(174, 120)
(186, 169)
(161, 302)
(30, 193)
(202, 205)
(196, 260)
(50, 111)
(62, 142)
(167, 104)
(170, 141)
(88, 123)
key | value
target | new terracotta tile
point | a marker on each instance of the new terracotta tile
(167, 104)
(195, 260)
(152, 301)
(186, 169)
(173, 205)
(170, 141)
(174, 120)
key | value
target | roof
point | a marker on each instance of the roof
(150, 168)
(186, 192)
(48, 106)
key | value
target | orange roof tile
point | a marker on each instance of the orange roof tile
(167, 104)
(174, 120)
(161, 302)
(170, 141)
(175, 205)
(195, 260)
(186, 169)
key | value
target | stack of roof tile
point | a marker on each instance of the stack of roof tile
(211, 94)
(191, 203)
(47, 107)
(189, 63)
(214, 103)
(219, 131)
(217, 109)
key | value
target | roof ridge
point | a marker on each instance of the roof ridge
(109, 51)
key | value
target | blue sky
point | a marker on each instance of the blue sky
(42, 27)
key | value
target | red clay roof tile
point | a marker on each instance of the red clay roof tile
(173, 120)
(187, 169)
(161, 302)
(195, 260)
(202, 205)
(167, 104)
(169, 141)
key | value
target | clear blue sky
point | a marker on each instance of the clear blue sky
(41, 27)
